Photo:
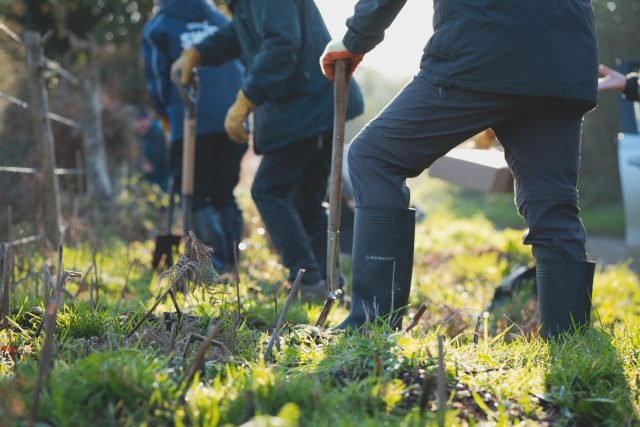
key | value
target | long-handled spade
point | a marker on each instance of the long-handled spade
(189, 95)
(342, 82)
(165, 243)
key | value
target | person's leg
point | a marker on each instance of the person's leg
(273, 194)
(225, 174)
(309, 194)
(419, 126)
(207, 224)
(542, 147)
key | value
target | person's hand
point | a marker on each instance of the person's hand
(612, 79)
(335, 51)
(234, 122)
(181, 70)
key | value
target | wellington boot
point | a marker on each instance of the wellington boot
(382, 262)
(564, 296)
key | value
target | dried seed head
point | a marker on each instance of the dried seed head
(194, 267)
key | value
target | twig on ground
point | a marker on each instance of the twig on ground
(237, 277)
(427, 388)
(48, 284)
(148, 313)
(292, 295)
(237, 318)
(4, 284)
(197, 362)
(214, 342)
(417, 317)
(327, 306)
(50, 330)
(441, 383)
(476, 332)
(82, 286)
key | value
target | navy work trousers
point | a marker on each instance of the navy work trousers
(288, 190)
(541, 140)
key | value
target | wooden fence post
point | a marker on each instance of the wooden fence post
(44, 136)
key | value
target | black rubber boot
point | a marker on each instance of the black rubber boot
(564, 296)
(208, 229)
(382, 262)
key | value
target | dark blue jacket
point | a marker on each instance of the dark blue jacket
(520, 47)
(280, 43)
(179, 24)
(154, 150)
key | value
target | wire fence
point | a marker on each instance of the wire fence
(52, 116)
(52, 66)
(34, 171)
(48, 189)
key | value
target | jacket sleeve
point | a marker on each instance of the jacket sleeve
(632, 89)
(370, 20)
(277, 57)
(156, 66)
(220, 47)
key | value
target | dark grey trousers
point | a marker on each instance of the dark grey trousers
(541, 140)
(288, 190)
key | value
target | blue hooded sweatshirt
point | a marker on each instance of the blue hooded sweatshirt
(280, 43)
(180, 24)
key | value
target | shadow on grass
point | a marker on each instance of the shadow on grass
(585, 382)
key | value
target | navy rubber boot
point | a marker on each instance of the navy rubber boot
(564, 296)
(382, 263)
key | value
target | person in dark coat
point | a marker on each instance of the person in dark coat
(179, 25)
(615, 81)
(526, 69)
(279, 42)
(153, 147)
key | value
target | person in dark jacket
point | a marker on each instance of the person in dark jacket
(527, 70)
(615, 81)
(153, 147)
(279, 42)
(179, 25)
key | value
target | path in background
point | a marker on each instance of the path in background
(606, 250)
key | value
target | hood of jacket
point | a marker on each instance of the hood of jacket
(184, 8)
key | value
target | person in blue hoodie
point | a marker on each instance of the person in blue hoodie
(279, 42)
(179, 25)
(526, 69)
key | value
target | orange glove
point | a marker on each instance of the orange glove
(334, 51)
(166, 127)
(181, 70)
(234, 122)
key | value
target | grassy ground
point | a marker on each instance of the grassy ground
(101, 377)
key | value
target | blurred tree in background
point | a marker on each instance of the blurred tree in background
(98, 41)
(114, 25)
